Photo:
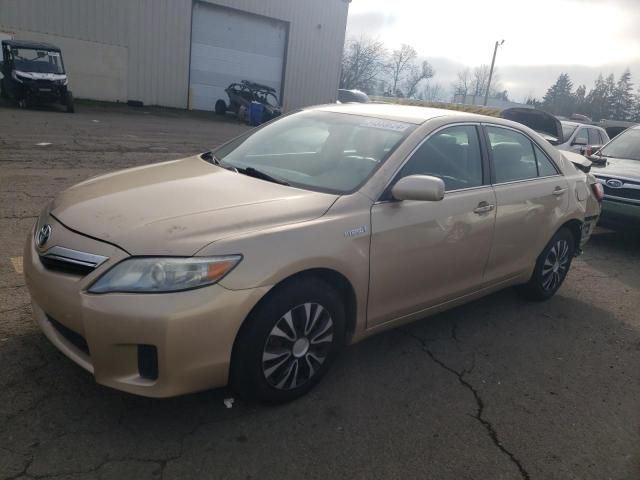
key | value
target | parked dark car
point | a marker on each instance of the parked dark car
(548, 126)
(33, 73)
(352, 96)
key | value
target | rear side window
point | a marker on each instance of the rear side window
(452, 154)
(594, 137)
(513, 155)
(545, 167)
(603, 136)
(582, 136)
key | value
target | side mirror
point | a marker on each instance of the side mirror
(579, 141)
(419, 187)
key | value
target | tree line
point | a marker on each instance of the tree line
(608, 98)
(369, 66)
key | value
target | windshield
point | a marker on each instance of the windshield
(626, 145)
(324, 151)
(567, 131)
(37, 61)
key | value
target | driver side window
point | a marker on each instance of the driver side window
(452, 154)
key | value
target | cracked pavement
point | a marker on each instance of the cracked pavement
(499, 389)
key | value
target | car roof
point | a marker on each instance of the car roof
(30, 44)
(389, 111)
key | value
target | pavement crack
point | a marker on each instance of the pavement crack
(454, 331)
(479, 415)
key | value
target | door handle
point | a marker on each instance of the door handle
(483, 207)
(559, 191)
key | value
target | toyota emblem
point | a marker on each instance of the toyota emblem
(615, 183)
(42, 237)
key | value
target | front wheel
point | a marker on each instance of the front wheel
(221, 107)
(289, 342)
(551, 268)
(69, 103)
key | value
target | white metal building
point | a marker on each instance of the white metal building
(183, 53)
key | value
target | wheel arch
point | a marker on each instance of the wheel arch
(342, 285)
(575, 227)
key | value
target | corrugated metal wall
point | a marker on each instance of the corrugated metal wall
(154, 35)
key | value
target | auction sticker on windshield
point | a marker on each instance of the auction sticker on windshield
(385, 125)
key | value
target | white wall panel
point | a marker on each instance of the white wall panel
(230, 46)
(156, 35)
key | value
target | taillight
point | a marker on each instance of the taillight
(598, 191)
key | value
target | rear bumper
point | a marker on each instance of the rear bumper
(191, 333)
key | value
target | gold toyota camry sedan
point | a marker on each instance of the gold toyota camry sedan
(254, 264)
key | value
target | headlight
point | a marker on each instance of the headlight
(164, 274)
(62, 81)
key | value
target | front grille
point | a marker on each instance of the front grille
(630, 193)
(72, 337)
(629, 190)
(67, 260)
(64, 266)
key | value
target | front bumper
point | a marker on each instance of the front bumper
(45, 92)
(193, 332)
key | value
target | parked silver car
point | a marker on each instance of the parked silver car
(582, 138)
(617, 168)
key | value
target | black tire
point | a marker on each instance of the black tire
(69, 103)
(221, 107)
(294, 367)
(552, 267)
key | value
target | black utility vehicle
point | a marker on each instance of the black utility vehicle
(242, 94)
(33, 73)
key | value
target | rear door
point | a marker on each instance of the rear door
(425, 253)
(531, 196)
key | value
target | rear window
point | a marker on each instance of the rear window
(594, 137)
(567, 131)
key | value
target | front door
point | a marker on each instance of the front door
(425, 253)
(532, 198)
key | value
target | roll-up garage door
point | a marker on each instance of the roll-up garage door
(228, 46)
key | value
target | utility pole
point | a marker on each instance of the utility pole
(493, 62)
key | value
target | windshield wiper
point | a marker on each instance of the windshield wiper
(217, 162)
(252, 172)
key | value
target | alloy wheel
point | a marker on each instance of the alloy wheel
(555, 265)
(297, 346)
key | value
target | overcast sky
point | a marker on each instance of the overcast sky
(543, 38)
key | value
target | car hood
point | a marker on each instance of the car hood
(178, 207)
(617, 167)
(544, 123)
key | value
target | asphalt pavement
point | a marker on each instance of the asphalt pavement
(500, 388)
